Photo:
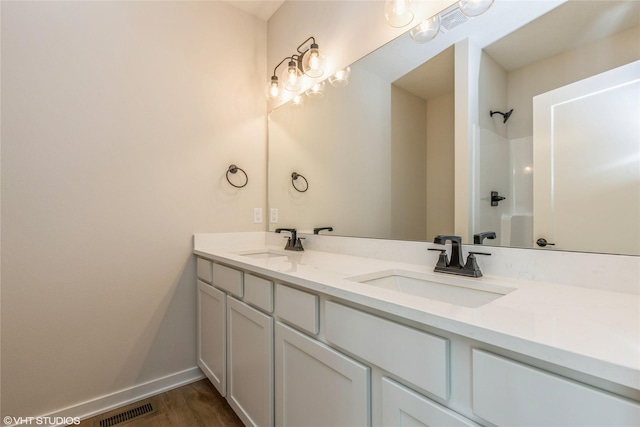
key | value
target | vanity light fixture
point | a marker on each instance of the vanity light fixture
(316, 91)
(312, 59)
(474, 7)
(298, 100)
(292, 75)
(273, 89)
(427, 30)
(307, 60)
(398, 13)
(341, 77)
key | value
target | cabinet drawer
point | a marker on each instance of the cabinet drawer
(298, 308)
(228, 279)
(506, 392)
(404, 407)
(258, 292)
(416, 356)
(203, 269)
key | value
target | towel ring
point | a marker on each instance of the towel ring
(294, 177)
(233, 169)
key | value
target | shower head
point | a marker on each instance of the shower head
(505, 115)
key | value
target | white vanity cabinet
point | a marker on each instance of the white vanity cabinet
(416, 356)
(250, 363)
(212, 335)
(316, 385)
(404, 407)
(235, 340)
(285, 355)
(509, 393)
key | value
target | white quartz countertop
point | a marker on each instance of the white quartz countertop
(592, 331)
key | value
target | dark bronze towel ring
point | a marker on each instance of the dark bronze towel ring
(294, 178)
(234, 169)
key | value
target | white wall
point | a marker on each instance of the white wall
(119, 120)
(559, 70)
(408, 165)
(440, 166)
(351, 157)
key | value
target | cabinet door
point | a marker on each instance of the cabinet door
(403, 407)
(509, 393)
(250, 363)
(316, 385)
(212, 335)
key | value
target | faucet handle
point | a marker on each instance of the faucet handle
(472, 264)
(297, 245)
(443, 260)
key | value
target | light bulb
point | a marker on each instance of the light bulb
(298, 100)
(273, 89)
(291, 77)
(313, 62)
(316, 91)
(474, 7)
(426, 31)
(341, 77)
(398, 12)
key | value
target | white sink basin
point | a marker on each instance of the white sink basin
(455, 290)
(263, 253)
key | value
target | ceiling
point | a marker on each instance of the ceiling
(432, 79)
(550, 34)
(262, 9)
(571, 25)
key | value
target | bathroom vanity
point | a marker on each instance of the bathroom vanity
(340, 335)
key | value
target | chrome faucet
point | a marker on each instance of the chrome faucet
(469, 269)
(293, 243)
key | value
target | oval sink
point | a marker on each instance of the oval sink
(454, 290)
(263, 253)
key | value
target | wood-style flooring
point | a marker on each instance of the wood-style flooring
(194, 405)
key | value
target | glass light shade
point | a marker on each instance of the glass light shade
(297, 100)
(291, 76)
(273, 90)
(341, 77)
(316, 91)
(398, 12)
(426, 31)
(474, 7)
(313, 62)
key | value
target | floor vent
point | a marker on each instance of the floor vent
(127, 416)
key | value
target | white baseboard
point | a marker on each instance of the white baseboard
(105, 403)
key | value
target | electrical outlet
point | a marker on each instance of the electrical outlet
(273, 219)
(257, 215)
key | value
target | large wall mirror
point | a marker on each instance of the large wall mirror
(379, 155)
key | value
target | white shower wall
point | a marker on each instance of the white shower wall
(517, 225)
(505, 166)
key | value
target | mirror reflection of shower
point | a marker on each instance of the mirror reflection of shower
(504, 115)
